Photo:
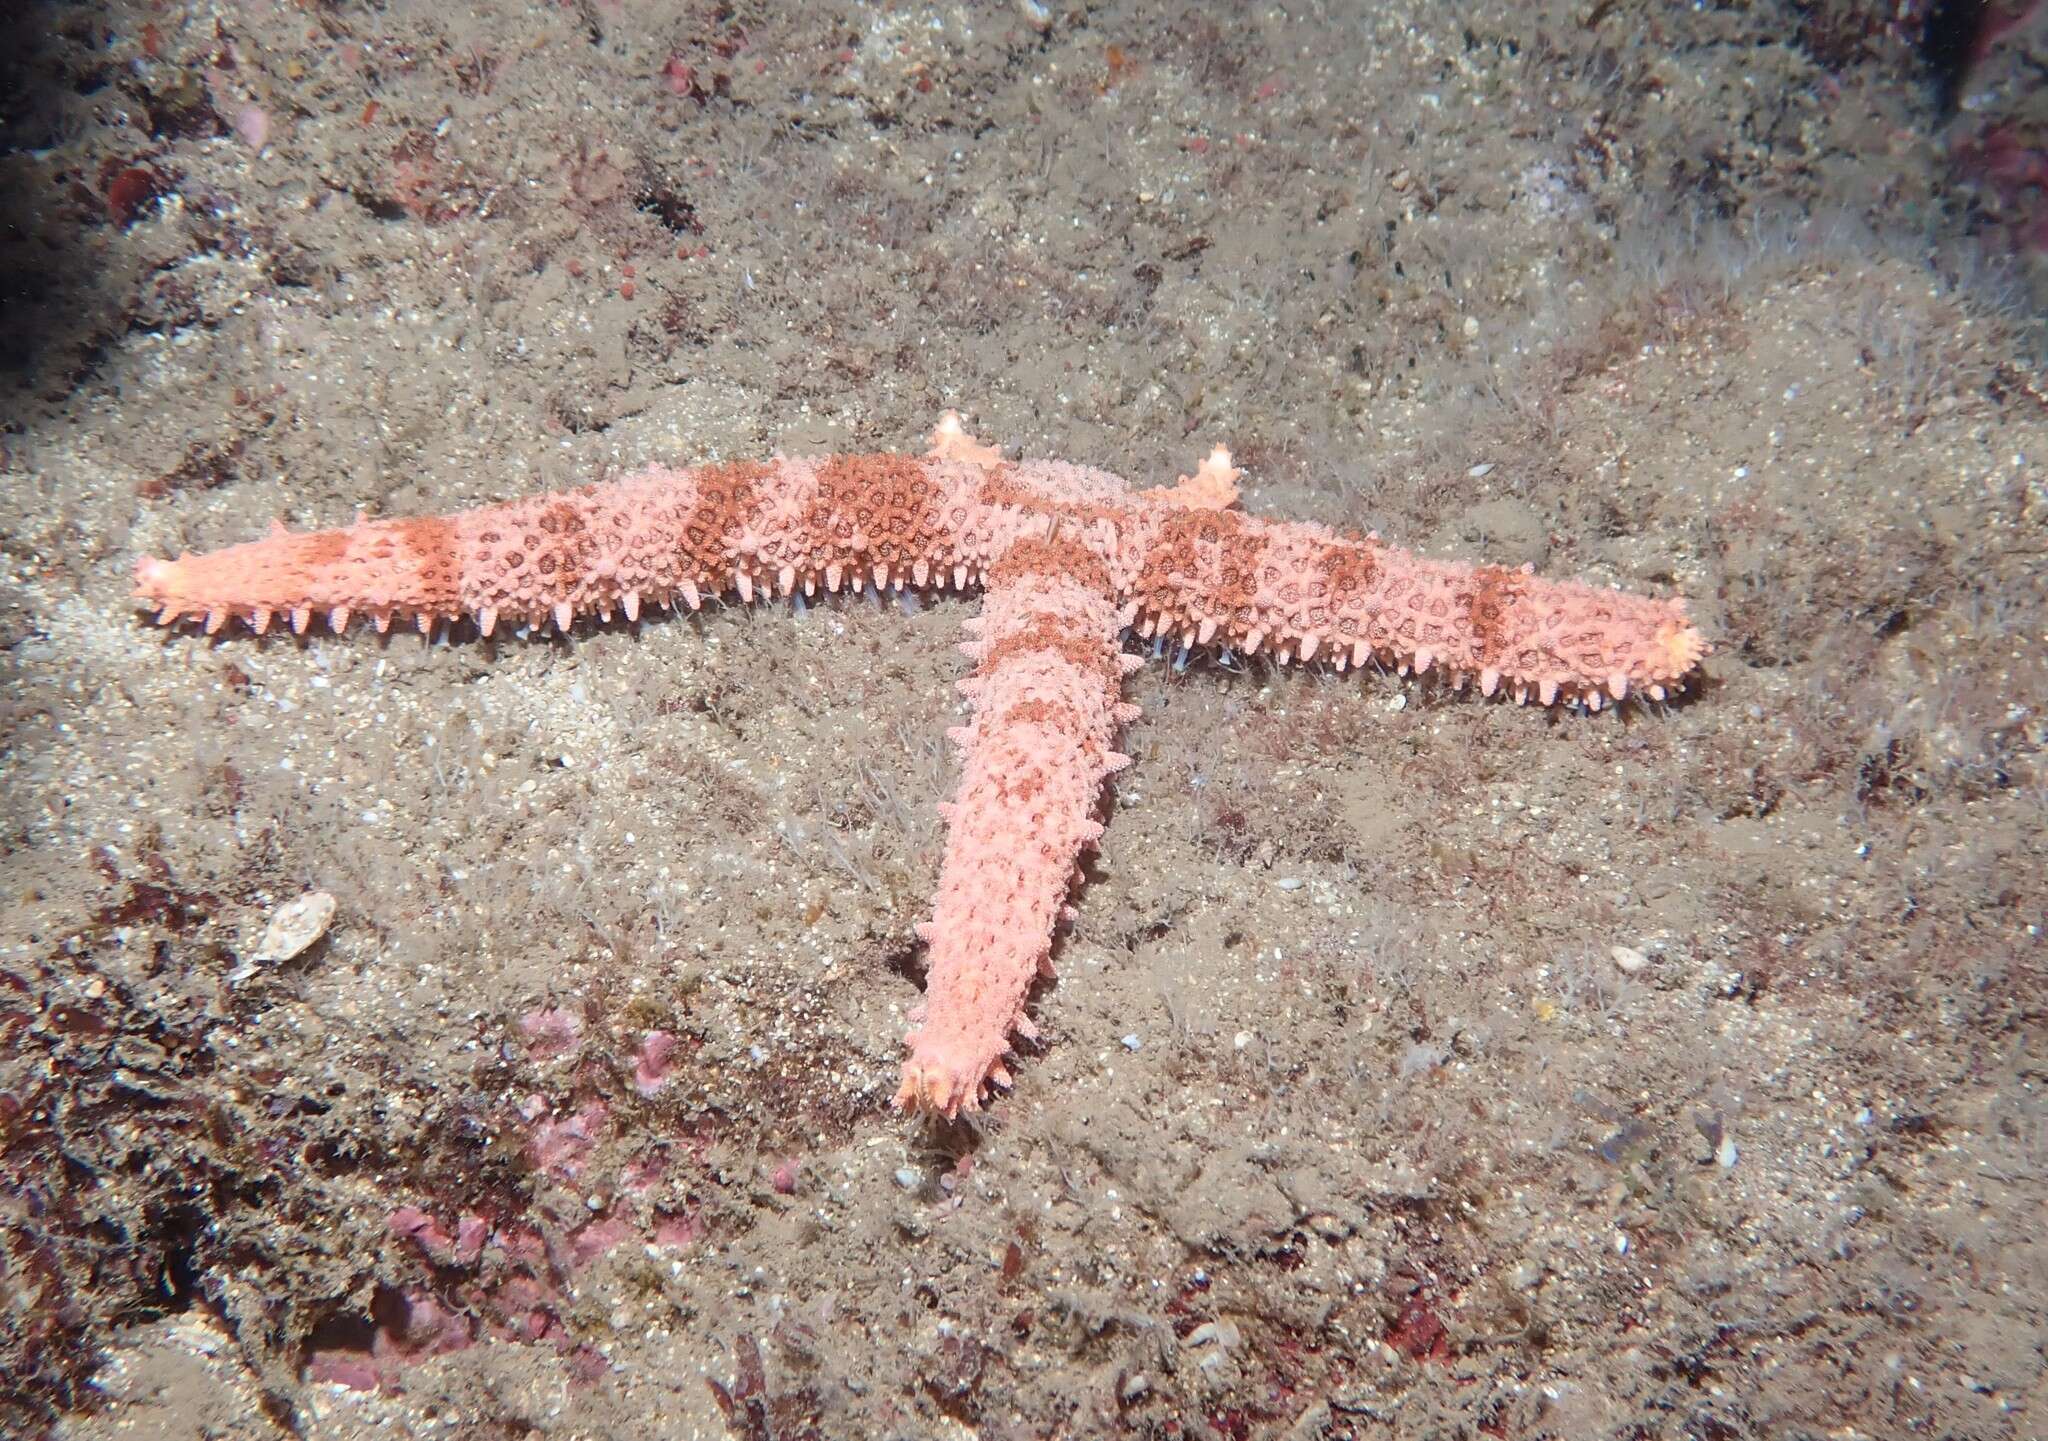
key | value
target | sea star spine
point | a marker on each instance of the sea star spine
(1071, 557)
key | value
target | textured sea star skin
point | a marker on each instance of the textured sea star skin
(1069, 558)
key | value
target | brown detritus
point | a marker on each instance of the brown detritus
(204, 467)
(1418, 1333)
(129, 189)
(751, 1412)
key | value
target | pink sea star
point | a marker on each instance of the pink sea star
(1068, 558)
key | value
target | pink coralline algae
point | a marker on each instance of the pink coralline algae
(1069, 560)
(653, 1062)
(559, 1145)
(550, 1032)
(501, 1283)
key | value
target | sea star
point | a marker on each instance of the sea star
(1068, 559)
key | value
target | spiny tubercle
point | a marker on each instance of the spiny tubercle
(1189, 569)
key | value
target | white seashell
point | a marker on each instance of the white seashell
(295, 925)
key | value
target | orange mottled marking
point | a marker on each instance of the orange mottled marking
(880, 509)
(563, 553)
(1002, 488)
(726, 497)
(1046, 635)
(1495, 590)
(322, 547)
(430, 540)
(1054, 718)
(1051, 556)
(1348, 569)
(1203, 563)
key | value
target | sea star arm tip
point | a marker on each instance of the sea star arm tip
(932, 1089)
(950, 441)
(1213, 486)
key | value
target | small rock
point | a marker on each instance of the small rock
(295, 925)
(1135, 1385)
(1712, 1135)
(1331, 1228)
(1422, 1057)
(1215, 1333)
(253, 126)
(1222, 1336)
(907, 1177)
(1725, 1154)
(1132, 1042)
(1632, 961)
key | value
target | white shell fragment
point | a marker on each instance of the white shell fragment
(295, 925)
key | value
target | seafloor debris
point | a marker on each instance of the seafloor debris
(295, 925)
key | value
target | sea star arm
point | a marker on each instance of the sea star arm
(1219, 576)
(1045, 691)
(662, 536)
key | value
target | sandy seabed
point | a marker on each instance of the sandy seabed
(1418, 1066)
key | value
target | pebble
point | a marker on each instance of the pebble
(1131, 1041)
(906, 1177)
(1222, 1335)
(1725, 1153)
(1632, 961)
